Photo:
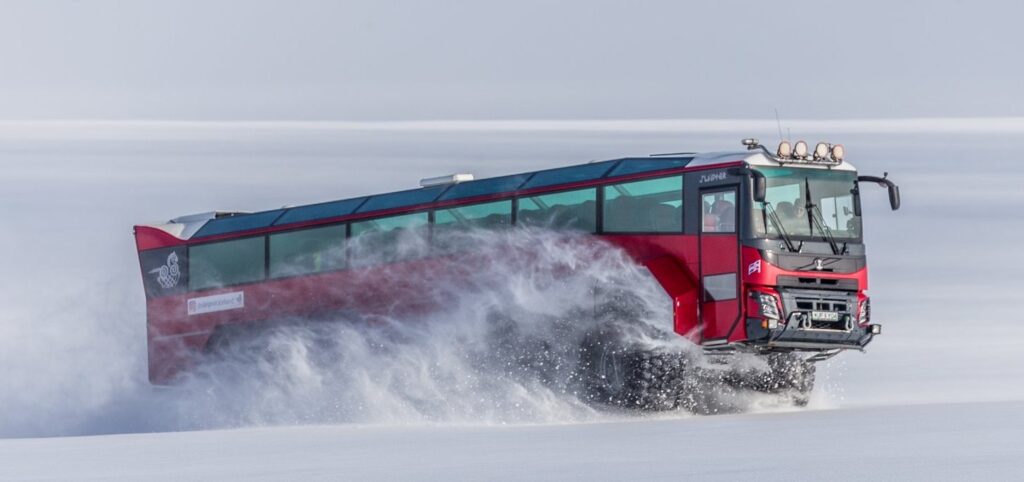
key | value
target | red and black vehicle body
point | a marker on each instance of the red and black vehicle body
(756, 251)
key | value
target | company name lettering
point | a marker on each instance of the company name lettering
(714, 176)
(209, 304)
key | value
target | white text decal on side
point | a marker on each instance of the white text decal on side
(714, 176)
(210, 304)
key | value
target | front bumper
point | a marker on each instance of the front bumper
(792, 336)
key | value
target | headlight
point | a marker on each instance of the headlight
(769, 305)
(865, 311)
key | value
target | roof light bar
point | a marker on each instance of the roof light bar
(445, 180)
(820, 151)
(785, 150)
(824, 153)
(838, 152)
(800, 150)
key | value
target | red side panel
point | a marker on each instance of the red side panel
(757, 271)
(719, 256)
(682, 287)
(147, 237)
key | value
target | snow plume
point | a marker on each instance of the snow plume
(499, 345)
(495, 339)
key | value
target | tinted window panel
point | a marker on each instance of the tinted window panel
(720, 287)
(495, 185)
(226, 263)
(401, 199)
(451, 224)
(633, 166)
(564, 210)
(654, 206)
(320, 211)
(718, 212)
(486, 215)
(564, 175)
(238, 222)
(384, 240)
(307, 251)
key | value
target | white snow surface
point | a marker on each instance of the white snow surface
(939, 396)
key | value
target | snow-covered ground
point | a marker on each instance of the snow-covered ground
(975, 441)
(938, 396)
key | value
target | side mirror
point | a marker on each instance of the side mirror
(857, 211)
(761, 187)
(894, 196)
(894, 190)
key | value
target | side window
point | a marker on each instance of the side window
(488, 215)
(385, 240)
(226, 263)
(307, 251)
(575, 210)
(720, 287)
(654, 206)
(837, 213)
(450, 223)
(718, 212)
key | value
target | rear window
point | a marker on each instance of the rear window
(226, 263)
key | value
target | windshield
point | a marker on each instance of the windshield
(830, 191)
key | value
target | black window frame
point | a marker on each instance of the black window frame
(682, 198)
(191, 264)
(598, 189)
(736, 211)
(597, 209)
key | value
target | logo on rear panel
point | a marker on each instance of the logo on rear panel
(168, 274)
(754, 267)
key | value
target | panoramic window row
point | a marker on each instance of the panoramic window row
(648, 206)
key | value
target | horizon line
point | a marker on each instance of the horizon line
(862, 125)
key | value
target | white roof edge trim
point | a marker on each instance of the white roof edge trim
(758, 158)
(184, 227)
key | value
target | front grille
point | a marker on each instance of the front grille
(844, 284)
(807, 302)
(821, 305)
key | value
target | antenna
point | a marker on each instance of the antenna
(778, 122)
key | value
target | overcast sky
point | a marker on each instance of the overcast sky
(369, 60)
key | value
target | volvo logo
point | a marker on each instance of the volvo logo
(819, 264)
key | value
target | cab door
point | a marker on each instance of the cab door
(719, 262)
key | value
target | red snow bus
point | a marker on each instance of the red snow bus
(759, 251)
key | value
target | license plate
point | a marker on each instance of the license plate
(824, 316)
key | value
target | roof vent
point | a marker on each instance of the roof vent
(445, 180)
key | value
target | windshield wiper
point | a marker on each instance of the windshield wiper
(819, 222)
(774, 218)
